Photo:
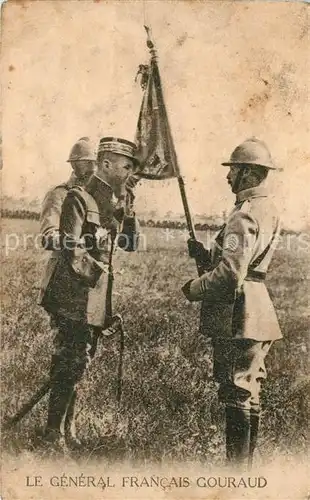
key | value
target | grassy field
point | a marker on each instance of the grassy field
(169, 408)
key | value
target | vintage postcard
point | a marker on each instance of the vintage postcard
(155, 250)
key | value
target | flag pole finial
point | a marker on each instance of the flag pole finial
(149, 41)
(155, 147)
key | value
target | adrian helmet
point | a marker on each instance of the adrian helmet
(83, 149)
(251, 152)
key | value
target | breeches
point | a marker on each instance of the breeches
(75, 345)
(239, 368)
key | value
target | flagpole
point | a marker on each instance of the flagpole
(189, 221)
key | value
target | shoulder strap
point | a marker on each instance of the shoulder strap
(261, 257)
(64, 185)
(86, 198)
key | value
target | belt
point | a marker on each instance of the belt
(255, 276)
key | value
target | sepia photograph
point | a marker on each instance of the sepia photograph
(155, 237)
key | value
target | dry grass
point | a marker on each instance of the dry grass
(169, 408)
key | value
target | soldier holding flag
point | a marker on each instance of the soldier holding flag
(237, 312)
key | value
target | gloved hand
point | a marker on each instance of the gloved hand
(120, 208)
(130, 184)
(128, 238)
(131, 181)
(196, 250)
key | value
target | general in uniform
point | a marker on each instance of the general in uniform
(75, 294)
(237, 312)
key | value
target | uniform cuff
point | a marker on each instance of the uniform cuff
(196, 289)
(186, 289)
(192, 290)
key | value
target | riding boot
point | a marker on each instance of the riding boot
(59, 401)
(70, 430)
(238, 431)
(60, 395)
(254, 419)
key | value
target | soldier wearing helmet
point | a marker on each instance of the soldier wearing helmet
(83, 162)
(82, 158)
(75, 293)
(237, 312)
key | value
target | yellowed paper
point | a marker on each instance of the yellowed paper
(230, 70)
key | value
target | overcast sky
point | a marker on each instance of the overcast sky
(230, 70)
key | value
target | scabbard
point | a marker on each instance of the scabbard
(10, 422)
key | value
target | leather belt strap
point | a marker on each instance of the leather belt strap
(255, 276)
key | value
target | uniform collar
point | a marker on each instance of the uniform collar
(254, 192)
(73, 181)
(105, 183)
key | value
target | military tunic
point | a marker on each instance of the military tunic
(49, 228)
(235, 300)
(237, 312)
(78, 285)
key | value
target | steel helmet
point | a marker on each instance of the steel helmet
(83, 149)
(251, 152)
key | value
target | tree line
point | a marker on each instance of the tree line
(163, 224)
(6, 213)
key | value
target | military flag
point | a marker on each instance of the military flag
(155, 147)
